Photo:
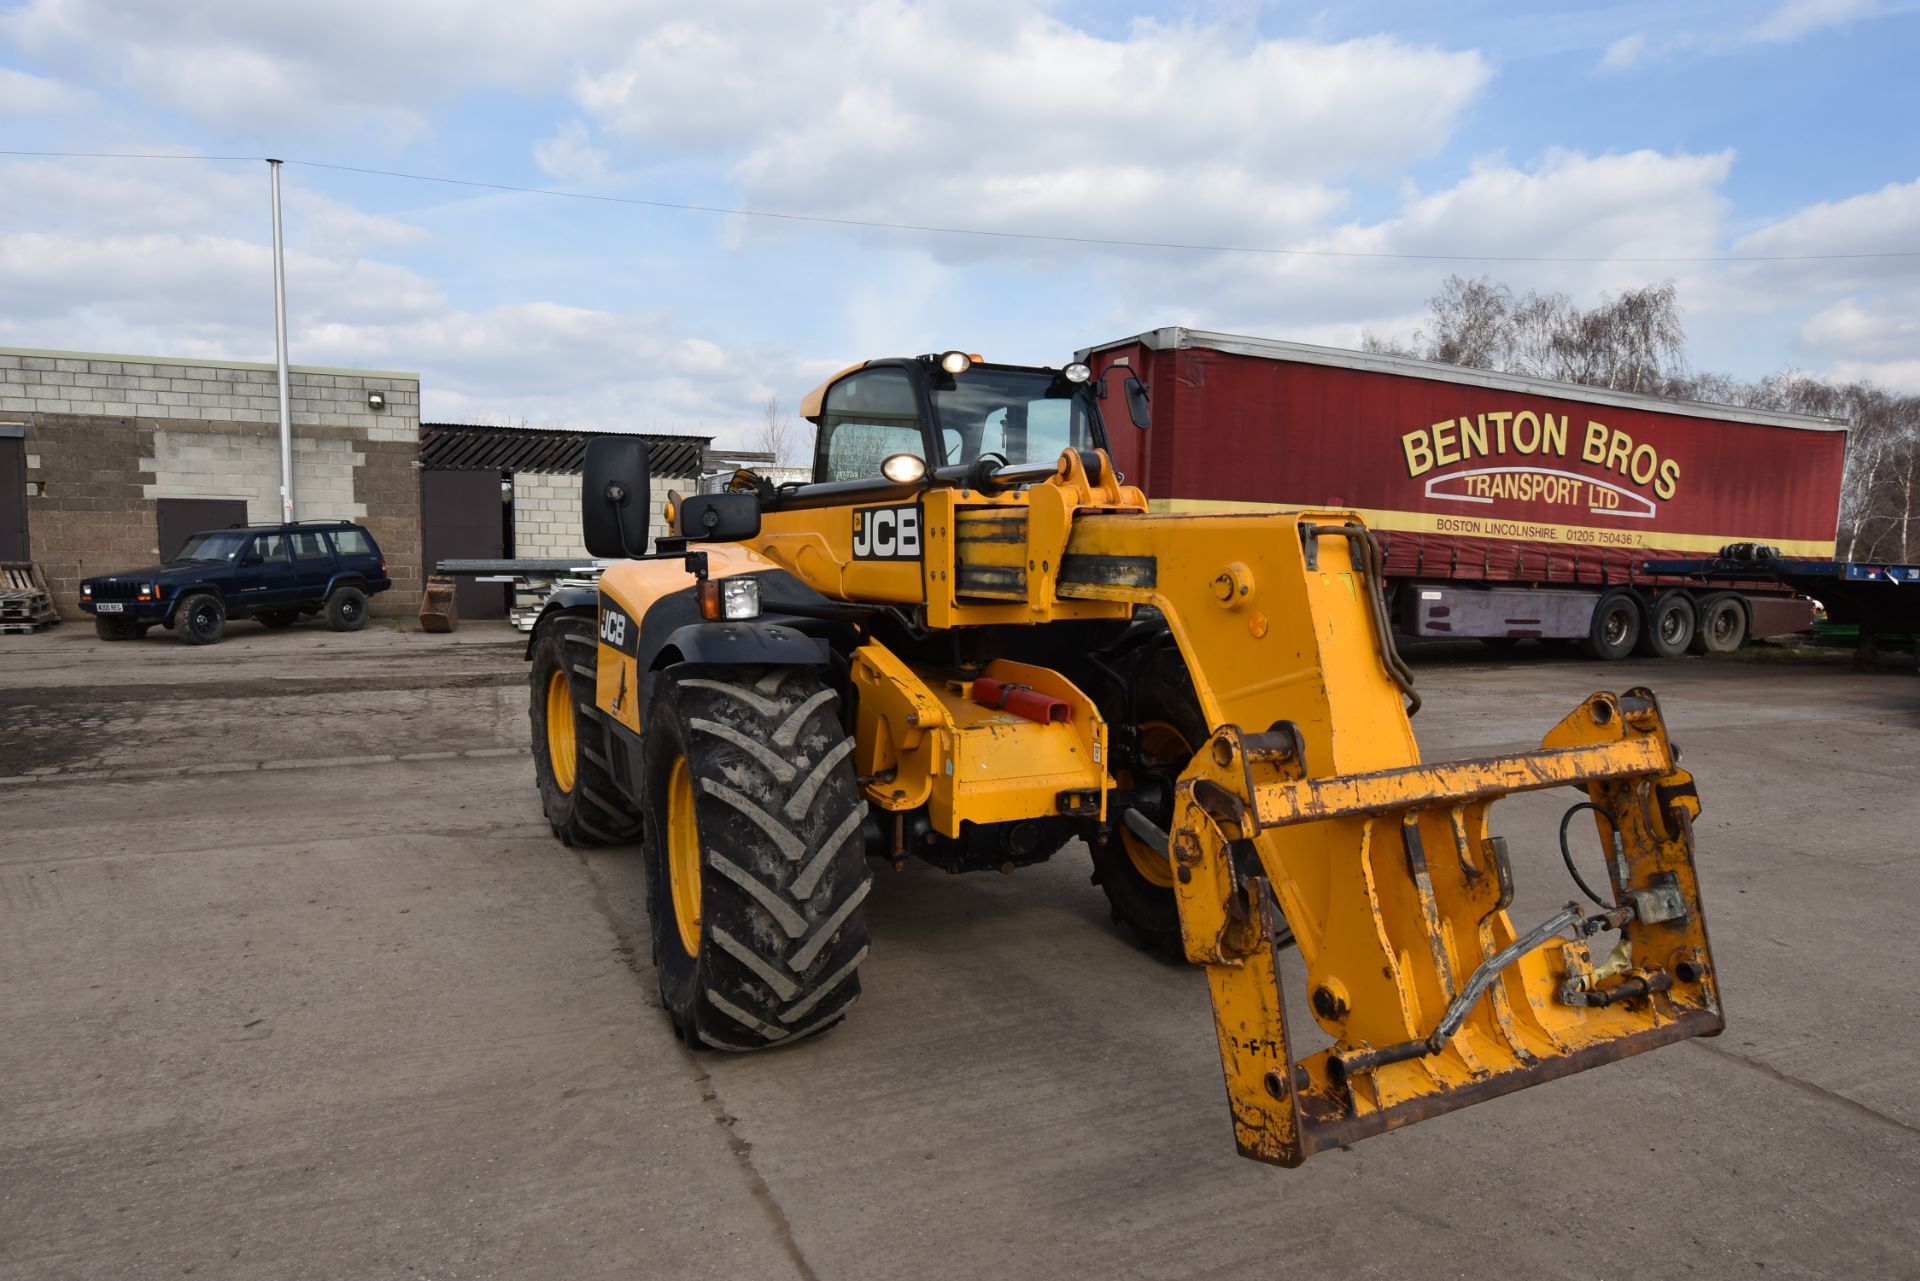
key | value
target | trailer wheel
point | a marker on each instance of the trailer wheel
(583, 803)
(1615, 629)
(1723, 624)
(1670, 626)
(756, 863)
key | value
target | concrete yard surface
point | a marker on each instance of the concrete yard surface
(294, 982)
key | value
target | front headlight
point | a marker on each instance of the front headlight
(86, 589)
(740, 598)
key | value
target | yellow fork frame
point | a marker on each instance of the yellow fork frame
(1309, 800)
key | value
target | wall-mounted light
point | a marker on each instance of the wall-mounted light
(376, 400)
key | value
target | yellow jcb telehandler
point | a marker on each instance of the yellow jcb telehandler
(968, 641)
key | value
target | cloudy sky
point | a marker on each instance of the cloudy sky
(1607, 130)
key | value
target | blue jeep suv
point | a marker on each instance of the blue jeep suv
(274, 574)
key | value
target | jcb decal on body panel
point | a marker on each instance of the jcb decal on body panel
(617, 628)
(886, 533)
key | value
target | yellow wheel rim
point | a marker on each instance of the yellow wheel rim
(683, 856)
(561, 749)
(1160, 740)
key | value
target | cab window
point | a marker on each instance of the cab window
(270, 547)
(866, 418)
(353, 542)
(309, 546)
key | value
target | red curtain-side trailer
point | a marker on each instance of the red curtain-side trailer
(1508, 506)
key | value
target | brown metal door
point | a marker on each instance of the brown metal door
(462, 518)
(178, 517)
(13, 499)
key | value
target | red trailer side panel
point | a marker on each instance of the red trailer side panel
(1498, 479)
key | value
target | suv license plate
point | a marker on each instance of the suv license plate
(111, 607)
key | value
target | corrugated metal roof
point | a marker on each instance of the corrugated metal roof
(472, 447)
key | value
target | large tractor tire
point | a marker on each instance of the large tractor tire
(1616, 625)
(1723, 624)
(1670, 626)
(582, 803)
(1138, 879)
(756, 865)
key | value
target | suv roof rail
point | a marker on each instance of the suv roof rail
(288, 524)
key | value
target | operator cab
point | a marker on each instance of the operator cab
(951, 411)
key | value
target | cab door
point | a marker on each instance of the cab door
(264, 577)
(312, 564)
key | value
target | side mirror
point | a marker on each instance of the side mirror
(720, 518)
(616, 493)
(253, 558)
(1137, 403)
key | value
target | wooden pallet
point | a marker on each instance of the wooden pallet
(26, 606)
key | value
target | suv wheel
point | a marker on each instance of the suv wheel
(201, 619)
(347, 609)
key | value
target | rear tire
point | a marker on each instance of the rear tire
(1722, 624)
(200, 619)
(1670, 626)
(756, 863)
(583, 804)
(1615, 629)
(347, 609)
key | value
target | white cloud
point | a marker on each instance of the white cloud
(1875, 339)
(570, 155)
(1639, 205)
(1799, 18)
(316, 69)
(173, 260)
(1790, 22)
(1001, 116)
(22, 94)
(1624, 52)
(1873, 222)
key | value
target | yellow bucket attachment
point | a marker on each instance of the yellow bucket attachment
(1398, 899)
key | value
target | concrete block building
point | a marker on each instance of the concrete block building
(107, 461)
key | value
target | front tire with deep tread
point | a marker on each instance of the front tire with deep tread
(587, 808)
(347, 609)
(1170, 722)
(782, 863)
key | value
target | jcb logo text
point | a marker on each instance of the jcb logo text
(886, 533)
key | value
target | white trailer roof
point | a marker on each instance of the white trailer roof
(1178, 337)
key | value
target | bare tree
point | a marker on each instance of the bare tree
(777, 436)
